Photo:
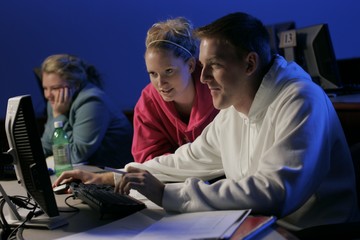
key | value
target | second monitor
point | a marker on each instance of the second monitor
(312, 48)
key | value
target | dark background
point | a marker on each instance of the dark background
(110, 34)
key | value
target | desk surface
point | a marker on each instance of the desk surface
(348, 98)
(346, 102)
(348, 110)
(87, 224)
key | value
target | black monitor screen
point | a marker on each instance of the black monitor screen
(28, 157)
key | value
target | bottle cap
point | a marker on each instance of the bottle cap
(58, 124)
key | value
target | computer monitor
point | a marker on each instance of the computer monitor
(274, 31)
(315, 53)
(29, 161)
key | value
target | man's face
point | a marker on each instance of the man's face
(223, 72)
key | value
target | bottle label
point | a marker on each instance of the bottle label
(62, 159)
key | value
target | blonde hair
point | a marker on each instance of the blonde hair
(72, 69)
(173, 34)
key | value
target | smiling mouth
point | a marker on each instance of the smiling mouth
(166, 91)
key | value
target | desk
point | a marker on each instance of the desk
(87, 220)
(348, 110)
(84, 220)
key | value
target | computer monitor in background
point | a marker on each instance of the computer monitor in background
(29, 161)
(274, 31)
(349, 70)
(315, 53)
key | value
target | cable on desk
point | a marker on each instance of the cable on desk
(75, 209)
(4, 225)
(19, 234)
(22, 202)
(28, 217)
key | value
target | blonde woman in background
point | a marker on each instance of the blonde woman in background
(99, 133)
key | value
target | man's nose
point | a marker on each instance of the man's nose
(205, 75)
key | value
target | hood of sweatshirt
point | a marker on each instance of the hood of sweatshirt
(281, 74)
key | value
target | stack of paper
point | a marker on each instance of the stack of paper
(197, 225)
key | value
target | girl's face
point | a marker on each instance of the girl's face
(170, 76)
(52, 84)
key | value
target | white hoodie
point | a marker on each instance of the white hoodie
(287, 158)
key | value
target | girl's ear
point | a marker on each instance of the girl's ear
(192, 64)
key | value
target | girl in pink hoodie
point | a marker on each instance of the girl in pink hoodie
(175, 107)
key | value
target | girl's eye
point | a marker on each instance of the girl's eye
(55, 88)
(152, 74)
(169, 71)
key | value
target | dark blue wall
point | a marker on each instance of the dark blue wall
(110, 34)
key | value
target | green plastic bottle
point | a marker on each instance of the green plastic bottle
(61, 149)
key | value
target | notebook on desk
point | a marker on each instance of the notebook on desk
(197, 225)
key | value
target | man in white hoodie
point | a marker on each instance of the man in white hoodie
(277, 140)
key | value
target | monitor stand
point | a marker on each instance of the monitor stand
(15, 218)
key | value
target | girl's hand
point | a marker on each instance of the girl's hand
(62, 102)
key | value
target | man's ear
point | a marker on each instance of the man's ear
(252, 60)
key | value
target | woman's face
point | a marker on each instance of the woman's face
(170, 76)
(52, 84)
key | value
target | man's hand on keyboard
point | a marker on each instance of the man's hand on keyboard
(138, 179)
(143, 182)
(85, 177)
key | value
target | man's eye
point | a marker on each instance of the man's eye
(215, 65)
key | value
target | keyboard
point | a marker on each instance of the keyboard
(103, 199)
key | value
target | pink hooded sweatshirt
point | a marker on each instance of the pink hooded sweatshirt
(158, 129)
